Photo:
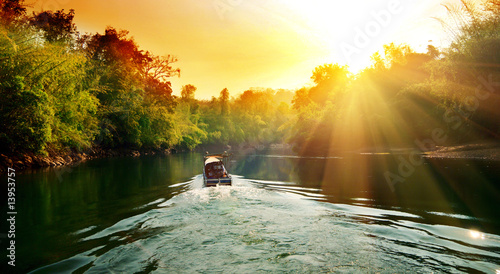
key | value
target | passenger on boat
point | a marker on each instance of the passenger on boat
(215, 172)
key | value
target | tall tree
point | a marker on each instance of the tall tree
(329, 79)
(11, 10)
(58, 26)
(224, 102)
(187, 93)
(114, 47)
(156, 70)
(159, 67)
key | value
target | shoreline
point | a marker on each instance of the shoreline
(27, 161)
(476, 151)
(30, 161)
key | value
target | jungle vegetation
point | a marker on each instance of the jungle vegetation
(61, 89)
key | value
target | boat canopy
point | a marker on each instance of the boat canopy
(212, 160)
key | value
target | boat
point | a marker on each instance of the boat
(214, 170)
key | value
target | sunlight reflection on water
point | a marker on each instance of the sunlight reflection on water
(476, 234)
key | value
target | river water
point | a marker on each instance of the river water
(283, 214)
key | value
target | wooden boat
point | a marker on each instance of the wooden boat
(214, 170)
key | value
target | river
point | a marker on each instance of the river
(283, 214)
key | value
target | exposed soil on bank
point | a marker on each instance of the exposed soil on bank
(474, 151)
(484, 151)
(60, 158)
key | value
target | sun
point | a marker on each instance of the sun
(352, 31)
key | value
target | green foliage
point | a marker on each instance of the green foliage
(331, 80)
(25, 116)
(57, 26)
(318, 109)
(406, 96)
(136, 104)
(187, 93)
(59, 89)
(257, 116)
(188, 126)
(11, 11)
(42, 96)
(63, 91)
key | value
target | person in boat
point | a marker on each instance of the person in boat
(214, 171)
(210, 174)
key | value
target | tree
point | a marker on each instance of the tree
(11, 10)
(187, 93)
(224, 102)
(330, 73)
(25, 116)
(58, 26)
(433, 51)
(114, 47)
(330, 79)
(301, 99)
(42, 96)
(159, 67)
(156, 70)
(396, 54)
(136, 103)
(159, 91)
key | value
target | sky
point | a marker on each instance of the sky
(240, 44)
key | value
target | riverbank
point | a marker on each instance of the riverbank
(473, 151)
(481, 151)
(61, 158)
(65, 157)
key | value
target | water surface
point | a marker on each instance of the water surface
(283, 213)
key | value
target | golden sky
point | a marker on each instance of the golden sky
(240, 44)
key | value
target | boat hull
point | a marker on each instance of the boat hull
(218, 182)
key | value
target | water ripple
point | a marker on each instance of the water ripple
(267, 226)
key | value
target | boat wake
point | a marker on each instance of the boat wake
(258, 225)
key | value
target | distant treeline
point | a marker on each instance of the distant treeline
(60, 89)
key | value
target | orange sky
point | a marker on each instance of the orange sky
(240, 44)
